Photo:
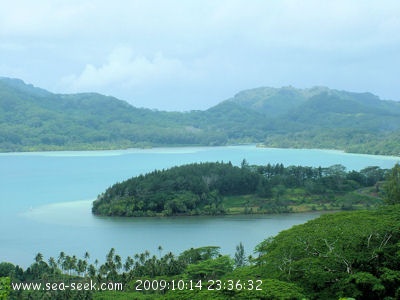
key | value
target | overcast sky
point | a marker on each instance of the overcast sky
(184, 55)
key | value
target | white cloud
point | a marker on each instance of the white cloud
(126, 70)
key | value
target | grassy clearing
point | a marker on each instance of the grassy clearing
(297, 200)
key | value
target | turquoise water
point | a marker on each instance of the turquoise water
(45, 201)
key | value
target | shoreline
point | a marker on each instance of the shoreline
(159, 216)
(87, 203)
(107, 151)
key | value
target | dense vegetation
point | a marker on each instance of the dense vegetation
(33, 119)
(324, 118)
(348, 254)
(199, 265)
(221, 188)
(190, 189)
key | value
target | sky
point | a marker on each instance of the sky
(188, 55)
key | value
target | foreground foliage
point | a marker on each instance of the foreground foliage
(348, 254)
(392, 186)
(354, 253)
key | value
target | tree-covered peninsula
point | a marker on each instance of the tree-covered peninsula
(222, 188)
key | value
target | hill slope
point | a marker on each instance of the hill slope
(323, 118)
(34, 119)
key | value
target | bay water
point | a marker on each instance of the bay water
(46, 197)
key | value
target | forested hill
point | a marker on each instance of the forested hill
(35, 119)
(324, 118)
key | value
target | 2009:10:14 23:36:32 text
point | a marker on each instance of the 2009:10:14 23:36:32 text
(211, 285)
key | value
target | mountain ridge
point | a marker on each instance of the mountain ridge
(34, 119)
(299, 96)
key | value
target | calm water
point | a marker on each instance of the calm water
(45, 201)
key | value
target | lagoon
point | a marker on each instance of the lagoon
(45, 201)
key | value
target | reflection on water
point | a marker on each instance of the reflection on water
(78, 213)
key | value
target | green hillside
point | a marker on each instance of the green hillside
(33, 119)
(323, 118)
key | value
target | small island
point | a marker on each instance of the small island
(218, 188)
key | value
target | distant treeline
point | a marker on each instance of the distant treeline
(220, 188)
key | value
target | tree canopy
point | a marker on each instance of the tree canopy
(221, 188)
(353, 254)
(392, 186)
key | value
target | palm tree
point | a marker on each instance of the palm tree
(38, 265)
(92, 271)
(66, 264)
(60, 260)
(96, 262)
(117, 262)
(128, 264)
(53, 265)
(39, 257)
(81, 266)
(102, 271)
(152, 265)
(74, 262)
(87, 255)
(136, 256)
(142, 258)
(110, 255)
(160, 250)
